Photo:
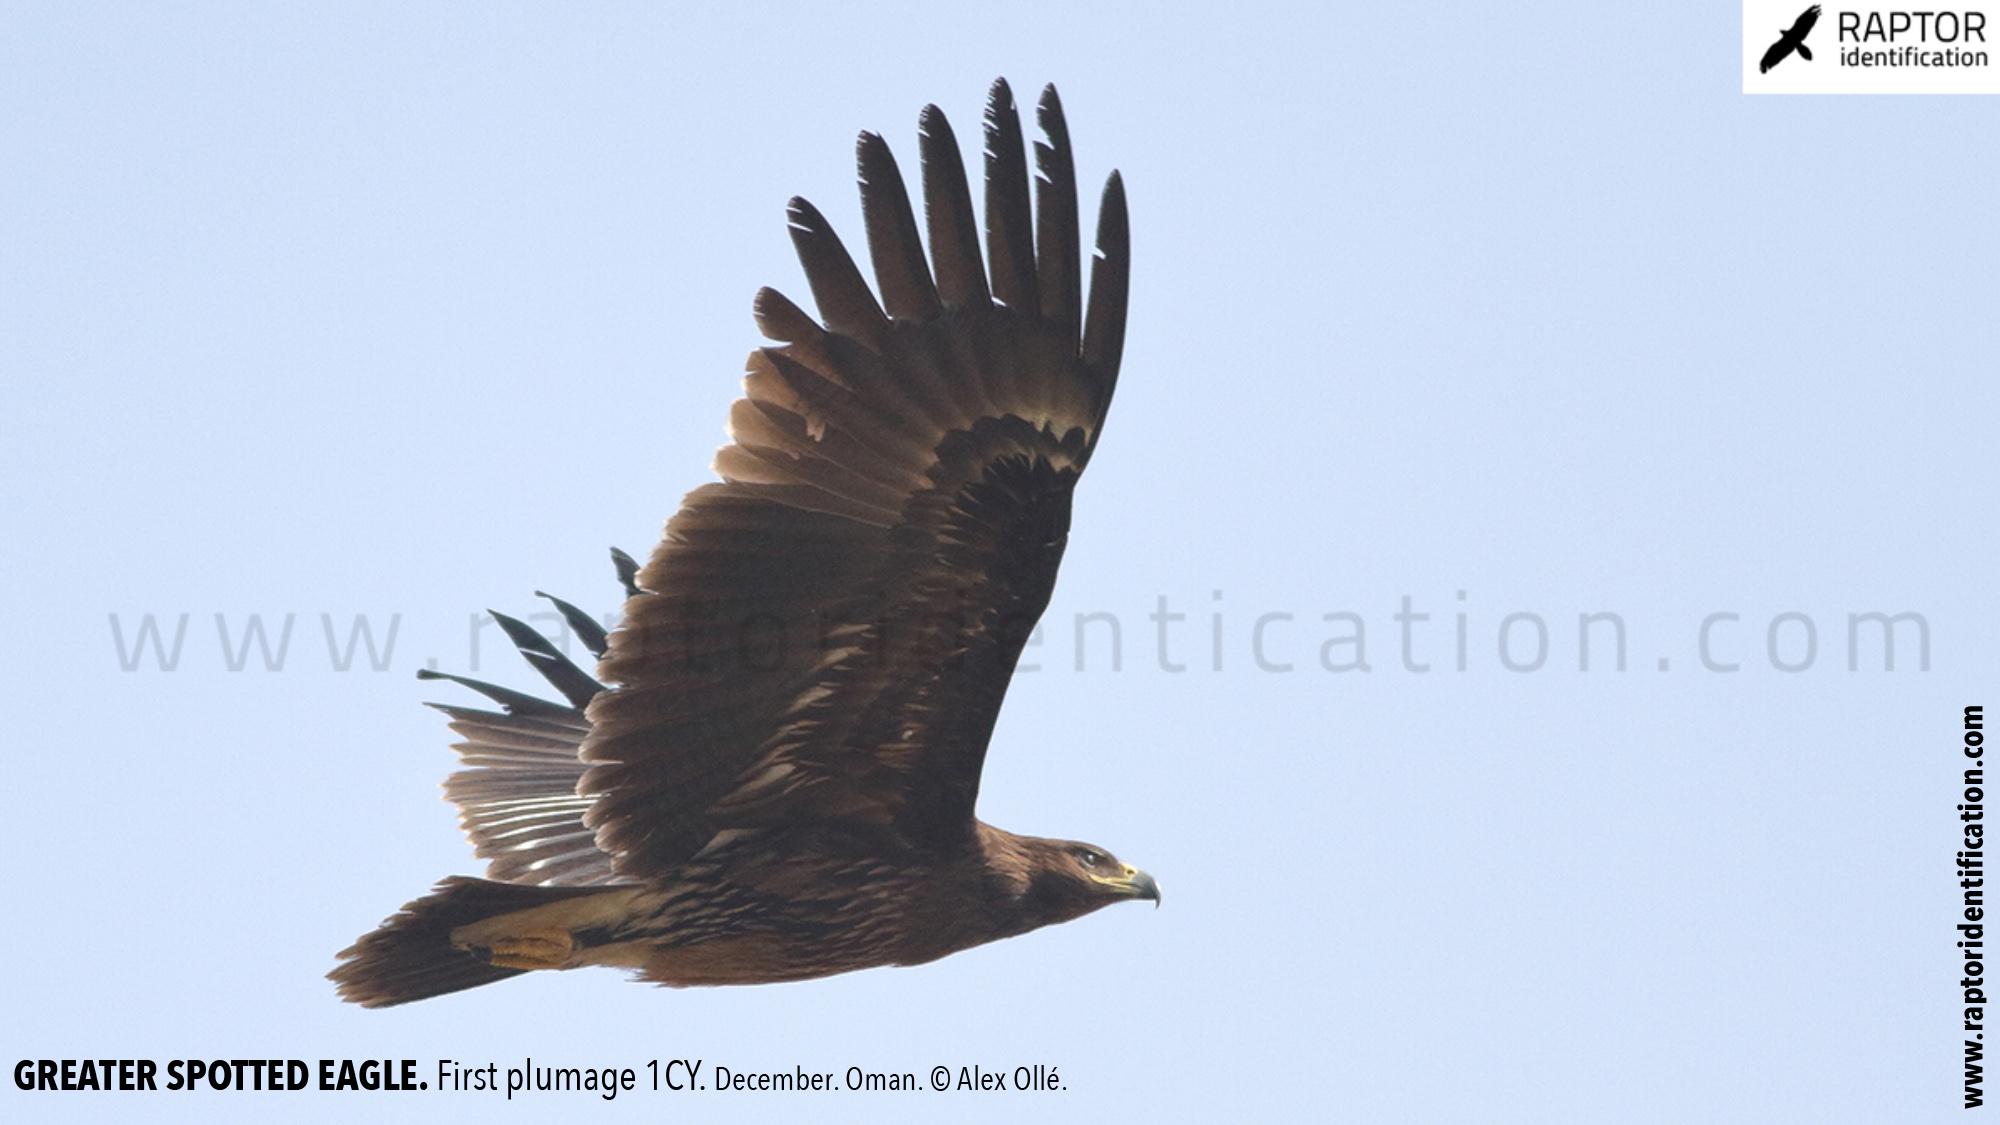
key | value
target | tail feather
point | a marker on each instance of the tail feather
(411, 956)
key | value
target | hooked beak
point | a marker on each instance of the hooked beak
(1134, 883)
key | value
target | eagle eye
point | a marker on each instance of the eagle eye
(1088, 858)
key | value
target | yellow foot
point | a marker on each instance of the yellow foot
(542, 949)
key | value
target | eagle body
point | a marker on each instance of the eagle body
(772, 776)
(755, 913)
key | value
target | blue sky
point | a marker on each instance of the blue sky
(326, 312)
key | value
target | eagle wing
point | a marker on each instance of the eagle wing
(1804, 25)
(825, 636)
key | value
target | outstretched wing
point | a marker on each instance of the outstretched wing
(1803, 26)
(824, 638)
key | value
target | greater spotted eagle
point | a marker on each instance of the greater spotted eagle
(772, 776)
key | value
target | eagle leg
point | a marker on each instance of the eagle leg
(539, 949)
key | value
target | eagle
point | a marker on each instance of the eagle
(772, 776)
(1791, 40)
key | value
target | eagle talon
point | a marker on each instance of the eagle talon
(547, 950)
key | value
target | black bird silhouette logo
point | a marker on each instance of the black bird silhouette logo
(1792, 40)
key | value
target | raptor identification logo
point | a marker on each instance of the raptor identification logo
(1791, 47)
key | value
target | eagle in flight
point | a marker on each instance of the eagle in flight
(772, 776)
(1793, 39)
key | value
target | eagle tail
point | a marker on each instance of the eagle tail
(411, 956)
(1804, 51)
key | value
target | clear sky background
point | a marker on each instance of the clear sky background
(351, 309)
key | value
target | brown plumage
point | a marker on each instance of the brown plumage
(778, 782)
